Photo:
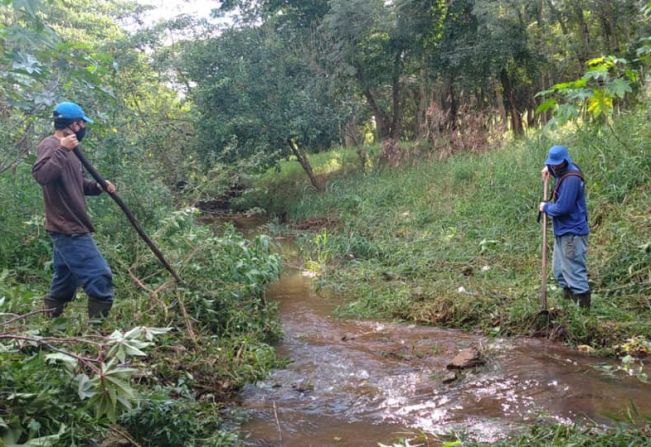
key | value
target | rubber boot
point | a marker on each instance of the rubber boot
(584, 299)
(567, 293)
(53, 308)
(98, 309)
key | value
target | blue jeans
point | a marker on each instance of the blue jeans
(78, 262)
(569, 262)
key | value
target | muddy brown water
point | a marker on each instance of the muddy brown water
(358, 383)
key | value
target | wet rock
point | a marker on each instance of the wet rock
(303, 387)
(466, 358)
(348, 337)
(450, 377)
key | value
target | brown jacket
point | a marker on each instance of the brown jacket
(64, 186)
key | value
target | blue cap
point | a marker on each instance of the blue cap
(557, 155)
(70, 111)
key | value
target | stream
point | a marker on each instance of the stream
(358, 383)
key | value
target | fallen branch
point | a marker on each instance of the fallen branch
(186, 320)
(152, 294)
(27, 315)
(280, 432)
(88, 362)
(124, 435)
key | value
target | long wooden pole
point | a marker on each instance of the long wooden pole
(543, 276)
(96, 175)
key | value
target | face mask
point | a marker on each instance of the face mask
(557, 169)
(80, 134)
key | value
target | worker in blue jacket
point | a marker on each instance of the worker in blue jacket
(570, 219)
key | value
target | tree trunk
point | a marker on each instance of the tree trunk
(422, 101)
(351, 137)
(305, 164)
(350, 133)
(559, 18)
(499, 99)
(396, 100)
(362, 156)
(509, 96)
(606, 15)
(585, 32)
(451, 106)
(381, 120)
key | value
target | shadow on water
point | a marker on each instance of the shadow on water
(357, 383)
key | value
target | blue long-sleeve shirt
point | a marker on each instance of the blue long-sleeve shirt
(569, 212)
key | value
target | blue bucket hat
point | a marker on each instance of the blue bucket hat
(70, 111)
(557, 155)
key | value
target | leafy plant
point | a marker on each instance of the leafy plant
(594, 96)
(103, 382)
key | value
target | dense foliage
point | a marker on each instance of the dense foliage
(445, 72)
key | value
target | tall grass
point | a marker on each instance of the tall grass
(456, 243)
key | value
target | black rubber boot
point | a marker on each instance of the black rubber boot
(567, 293)
(98, 309)
(53, 308)
(584, 300)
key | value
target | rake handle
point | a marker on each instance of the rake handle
(543, 275)
(134, 222)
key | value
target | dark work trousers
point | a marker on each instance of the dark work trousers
(78, 262)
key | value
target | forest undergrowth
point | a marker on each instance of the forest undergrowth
(160, 369)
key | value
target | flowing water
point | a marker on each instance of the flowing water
(357, 383)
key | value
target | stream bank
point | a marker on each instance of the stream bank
(357, 383)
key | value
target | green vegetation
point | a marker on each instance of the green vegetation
(419, 221)
(160, 369)
(217, 330)
(557, 436)
(560, 435)
(455, 242)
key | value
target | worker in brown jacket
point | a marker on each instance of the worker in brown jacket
(76, 258)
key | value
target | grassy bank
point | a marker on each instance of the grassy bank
(557, 436)
(455, 242)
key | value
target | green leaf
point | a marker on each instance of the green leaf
(596, 61)
(26, 62)
(544, 93)
(618, 88)
(45, 441)
(600, 103)
(31, 7)
(579, 83)
(123, 387)
(597, 73)
(579, 94)
(546, 105)
(85, 387)
(565, 113)
(61, 357)
(150, 332)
